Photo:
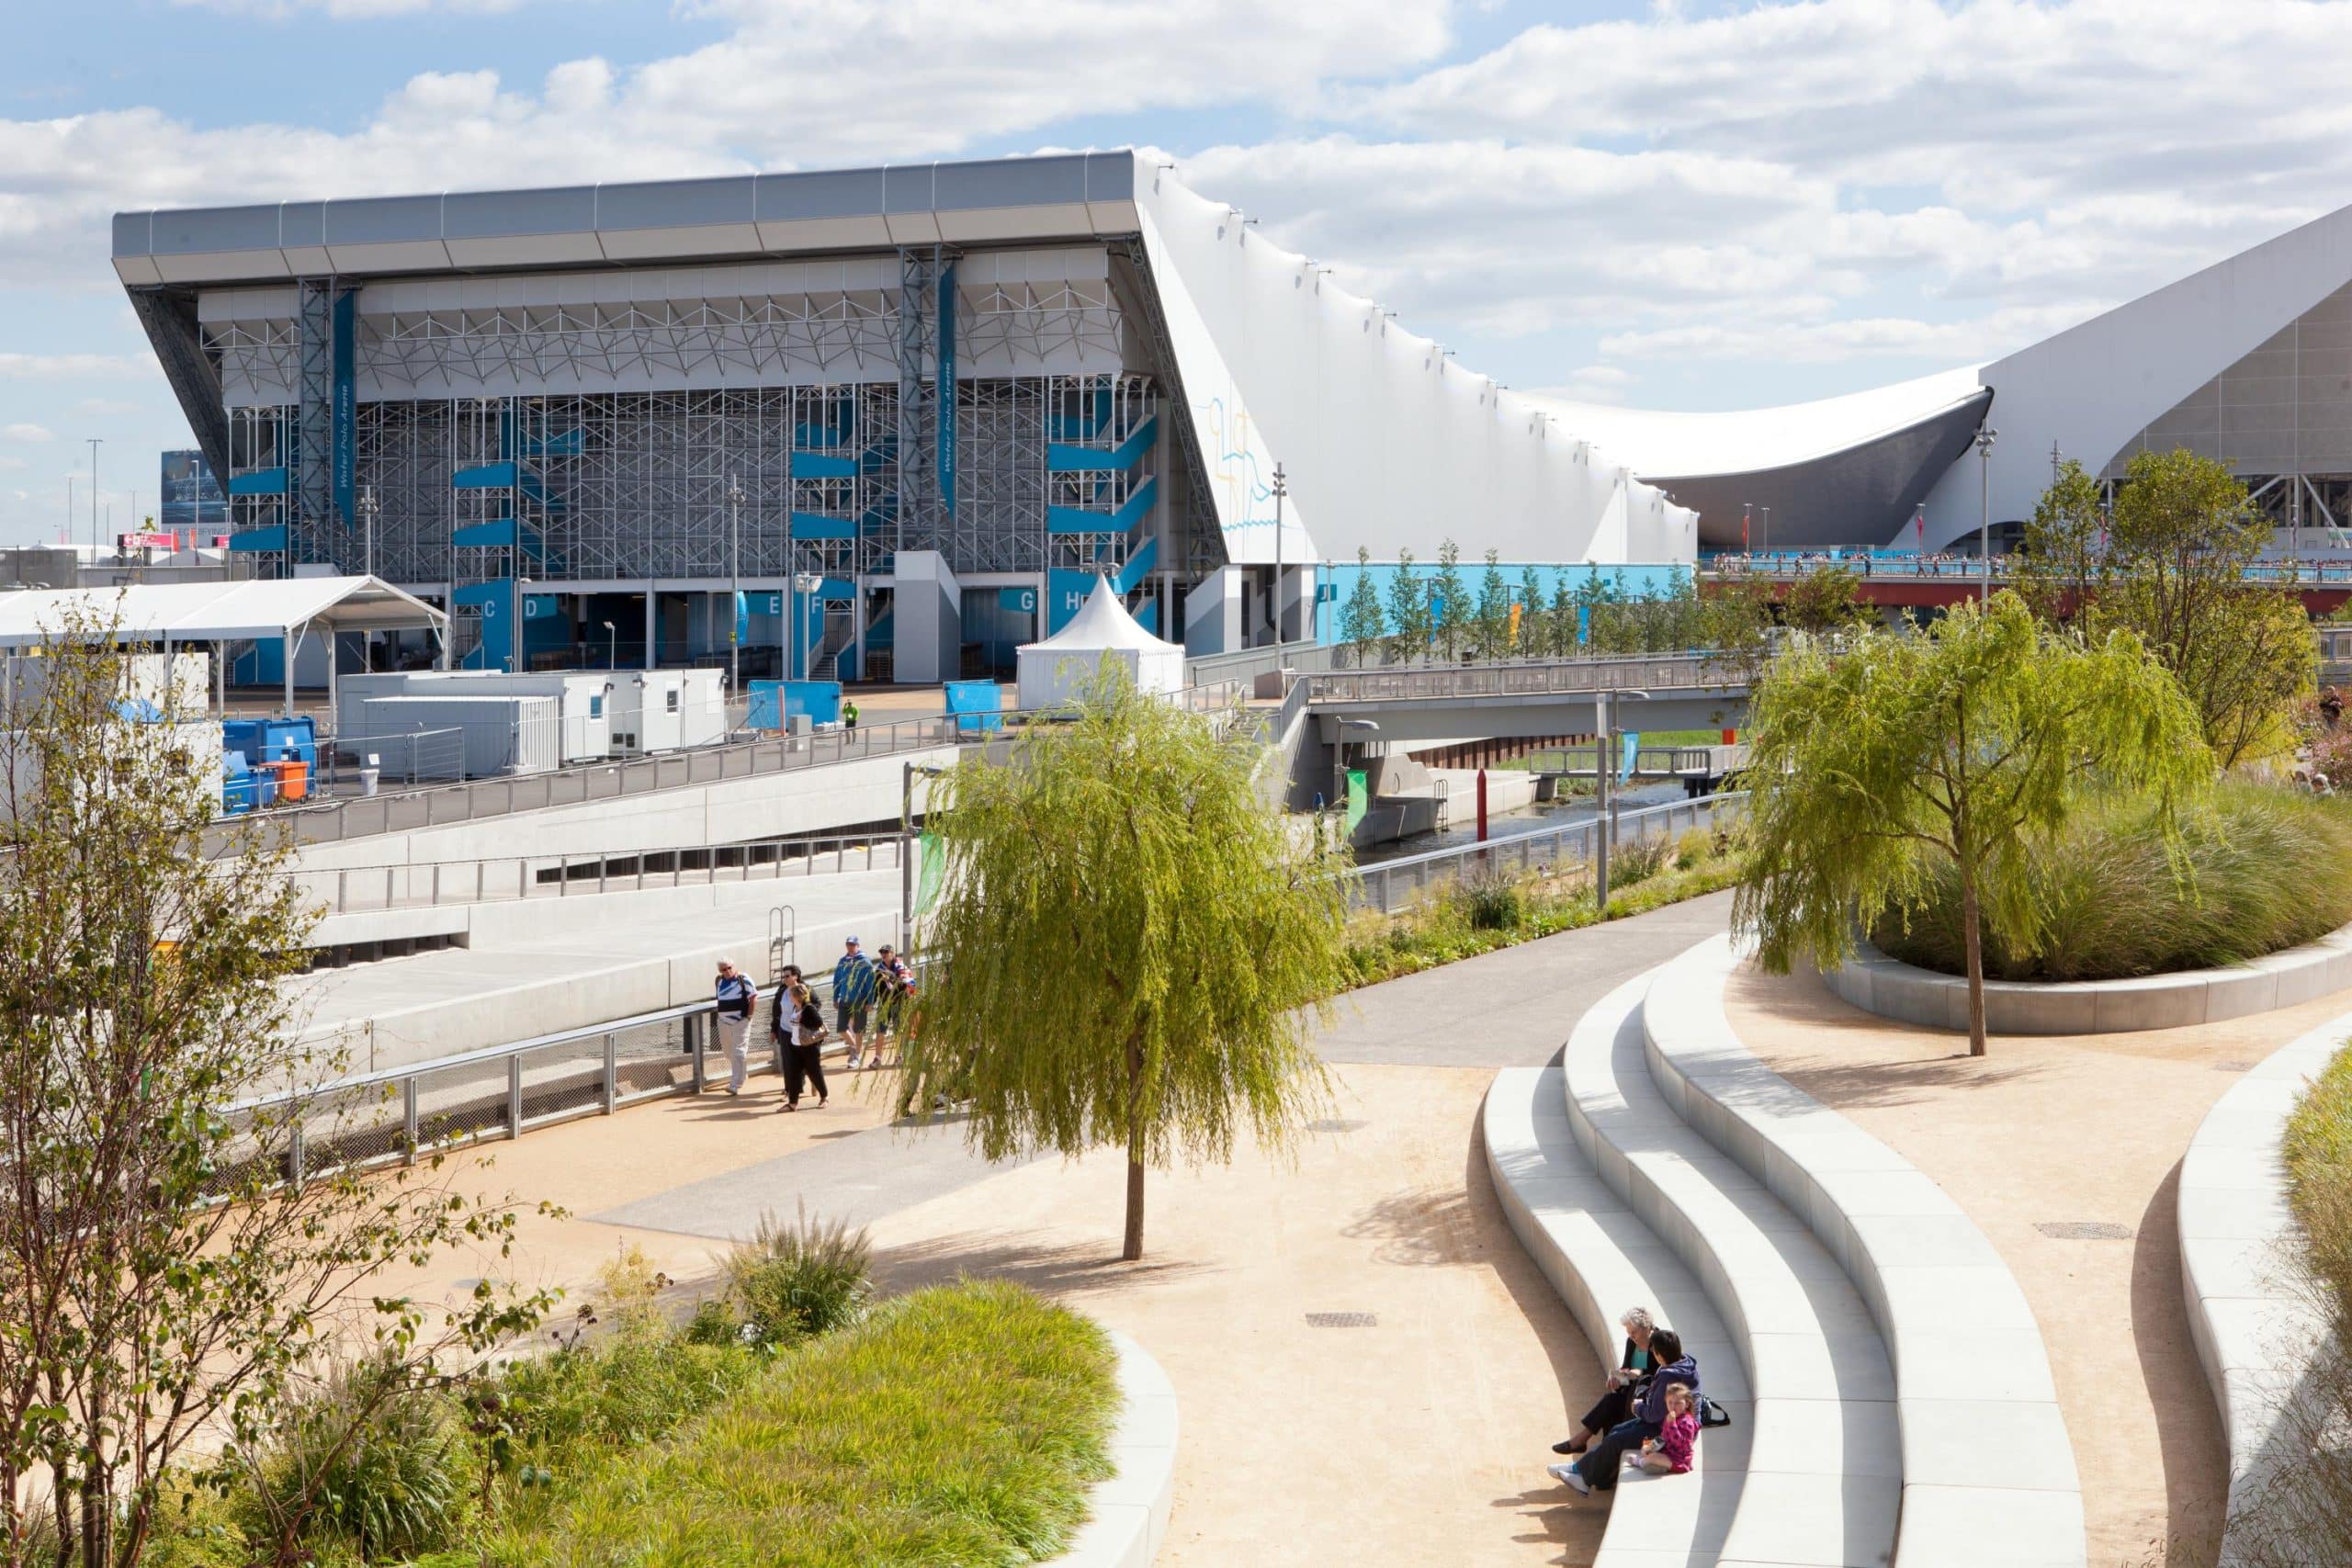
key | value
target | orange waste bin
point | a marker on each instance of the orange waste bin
(293, 778)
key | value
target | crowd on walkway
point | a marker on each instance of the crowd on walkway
(1648, 1415)
(873, 999)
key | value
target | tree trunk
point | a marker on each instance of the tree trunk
(1972, 940)
(1131, 1250)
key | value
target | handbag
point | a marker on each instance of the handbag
(1712, 1415)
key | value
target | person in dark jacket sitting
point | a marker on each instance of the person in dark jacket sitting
(1596, 1472)
(1616, 1400)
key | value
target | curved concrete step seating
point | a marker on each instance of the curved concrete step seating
(2237, 1238)
(1602, 1258)
(1987, 1467)
(1823, 1485)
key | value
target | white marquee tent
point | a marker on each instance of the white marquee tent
(1052, 672)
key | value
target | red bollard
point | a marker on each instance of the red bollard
(1482, 806)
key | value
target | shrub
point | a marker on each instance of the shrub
(2257, 868)
(960, 1424)
(389, 1472)
(1491, 902)
(2318, 1150)
(1695, 845)
(791, 1281)
(1637, 860)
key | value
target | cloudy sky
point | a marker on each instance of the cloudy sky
(1697, 205)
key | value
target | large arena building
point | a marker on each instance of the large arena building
(909, 414)
(940, 397)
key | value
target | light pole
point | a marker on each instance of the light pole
(1984, 438)
(514, 655)
(1604, 825)
(96, 441)
(907, 772)
(612, 647)
(804, 583)
(1764, 533)
(734, 583)
(1282, 488)
(368, 526)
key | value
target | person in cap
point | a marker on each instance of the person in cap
(853, 996)
(736, 996)
(894, 985)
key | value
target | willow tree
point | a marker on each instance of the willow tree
(1962, 744)
(1128, 943)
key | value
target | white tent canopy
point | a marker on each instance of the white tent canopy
(1052, 672)
(217, 612)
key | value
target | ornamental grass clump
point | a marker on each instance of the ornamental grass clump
(792, 1281)
(2250, 869)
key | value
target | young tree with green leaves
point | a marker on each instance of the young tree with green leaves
(1360, 620)
(1965, 744)
(1127, 940)
(1564, 625)
(1490, 631)
(1530, 643)
(2062, 556)
(1408, 612)
(1453, 608)
(173, 1273)
(1826, 599)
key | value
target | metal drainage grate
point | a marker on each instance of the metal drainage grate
(1333, 1124)
(2083, 1230)
(2235, 1066)
(1342, 1320)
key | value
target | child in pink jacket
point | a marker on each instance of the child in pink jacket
(1673, 1450)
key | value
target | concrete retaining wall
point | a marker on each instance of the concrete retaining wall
(1130, 1510)
(2248, 1312)
(1891, 989)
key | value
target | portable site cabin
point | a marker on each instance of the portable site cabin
(583, 699)
(1054, 672)
(453, 736)
(667, 710)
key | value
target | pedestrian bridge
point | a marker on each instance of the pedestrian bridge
(1500, 700)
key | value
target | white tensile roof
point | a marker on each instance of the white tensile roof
(1678, 445)
(216, 612)
(1102, 623)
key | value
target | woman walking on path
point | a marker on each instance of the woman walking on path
(800, 1031)
(735, 998)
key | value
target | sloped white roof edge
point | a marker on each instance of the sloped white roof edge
(216, 612)
(1101, 624)
(1678, 446)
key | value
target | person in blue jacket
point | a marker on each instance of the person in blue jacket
(853, 999)
(1596, 1472)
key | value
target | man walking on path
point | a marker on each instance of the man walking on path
(849, 715)
(893, 983)
(735, 998)
(853, 996)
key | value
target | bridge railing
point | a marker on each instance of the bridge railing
(1907, 566)
(1396, 885)
(1570, 677)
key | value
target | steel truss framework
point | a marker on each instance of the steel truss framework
(617, 483)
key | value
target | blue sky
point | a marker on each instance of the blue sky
(1674, 205)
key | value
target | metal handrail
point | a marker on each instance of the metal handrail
(1703, 669)
(425, 884)
(1376, 886)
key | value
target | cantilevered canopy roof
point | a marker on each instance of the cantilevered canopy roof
(217, 612)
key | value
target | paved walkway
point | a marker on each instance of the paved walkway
(2065, 1151)
(1430, 1421)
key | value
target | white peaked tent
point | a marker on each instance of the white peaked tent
(1053, 671)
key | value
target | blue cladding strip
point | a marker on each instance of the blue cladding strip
(489, 476)
(823, 466)
(498, 534)
(837, 588)
(809, 525)
(259, 539)
(261, 482)
(1148, 617)
(1075, 520)
(1061, 459)
(1137, 565)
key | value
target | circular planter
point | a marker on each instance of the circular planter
(1875, 983)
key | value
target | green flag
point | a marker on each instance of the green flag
(929, 864)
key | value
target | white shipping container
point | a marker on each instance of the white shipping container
(586, 697)
(494, 735)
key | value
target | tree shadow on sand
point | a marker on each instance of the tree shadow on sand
(1080, 1269)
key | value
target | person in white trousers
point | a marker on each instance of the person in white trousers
(737, 997)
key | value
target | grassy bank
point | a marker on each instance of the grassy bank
(962, 1424)
(1486, 913)
(2318, 1150)
(788, 1422)
(2257, 868)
